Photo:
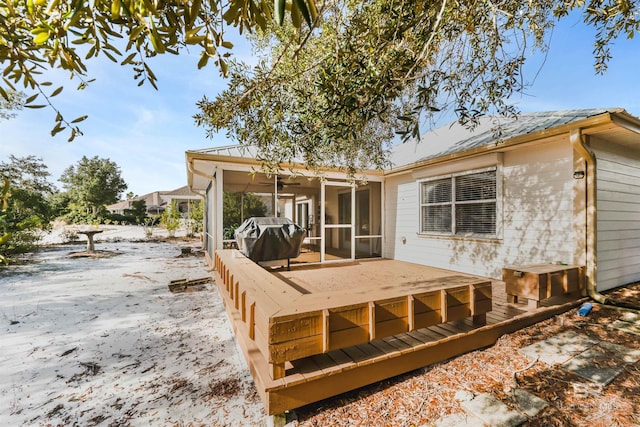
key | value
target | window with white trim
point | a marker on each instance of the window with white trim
(460, 204)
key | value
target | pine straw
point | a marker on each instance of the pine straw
(423, 396)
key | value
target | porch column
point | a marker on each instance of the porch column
(219, 206)
(322, 224)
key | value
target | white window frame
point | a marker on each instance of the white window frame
(453, 232)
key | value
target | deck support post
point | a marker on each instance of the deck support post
(243, 311)
(411, 324)
(443, 306)
(276, 370)
(237, 297)
(480, 319)
(325, 331)
(372, 321)
(252, 321)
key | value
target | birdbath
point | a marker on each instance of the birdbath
(90, 234)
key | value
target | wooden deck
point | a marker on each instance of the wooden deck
(318, 331)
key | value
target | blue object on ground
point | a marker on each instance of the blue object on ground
(585, 309)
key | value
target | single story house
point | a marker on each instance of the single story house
(555, 192)
(158, 201)
(548, 187)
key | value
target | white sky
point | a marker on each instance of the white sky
(146, 132)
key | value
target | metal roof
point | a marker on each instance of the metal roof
(454, 138)
(238, 150)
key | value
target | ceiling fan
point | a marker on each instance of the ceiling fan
(280, 183)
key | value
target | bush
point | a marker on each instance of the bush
(69, 235)
(170, 219)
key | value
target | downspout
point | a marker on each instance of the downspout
(577, 143)
(195, 171)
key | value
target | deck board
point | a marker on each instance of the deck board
(410, 340)
(341, 359)
(385, 347)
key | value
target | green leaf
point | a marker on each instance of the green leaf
(91, 52)
(204, 58)
(129, 58)
(110, 56)
(35, 106)
(56, 92)
(224, 68)
(73, 135)
(156, 41)
(295, 16)
(192, 32)
(279, 7)
(41, 38)
(302, 6)
(313, 10)
(79, 119)
(57, 129)
(195, 10)
(135, 33)
(30, 99)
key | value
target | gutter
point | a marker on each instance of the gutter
(577, 140)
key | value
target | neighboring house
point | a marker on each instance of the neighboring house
(554, 187)
(158, 201)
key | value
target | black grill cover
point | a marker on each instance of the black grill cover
(269, 238)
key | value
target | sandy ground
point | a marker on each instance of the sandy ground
(103, 341)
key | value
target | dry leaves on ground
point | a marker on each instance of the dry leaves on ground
(423, 396)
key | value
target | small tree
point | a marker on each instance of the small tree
(138, 211)
(195, 217)
(237, 207)
(93, 183)
(170, 219)
(5, 235)
(25, 211)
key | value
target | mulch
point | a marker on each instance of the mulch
(423, 396)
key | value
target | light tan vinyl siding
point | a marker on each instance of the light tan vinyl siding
(536, 217)
(618, 199)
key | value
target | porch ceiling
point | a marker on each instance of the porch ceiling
(247, 182)
(244, 174)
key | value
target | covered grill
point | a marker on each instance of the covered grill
(269, 238)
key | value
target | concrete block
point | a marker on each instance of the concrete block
(458, 420)
(558, 349)
(529, 403)
(625, 354)
(591, 365)
(492, 411)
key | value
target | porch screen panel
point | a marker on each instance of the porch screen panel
(475, 206)
(436, 206)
